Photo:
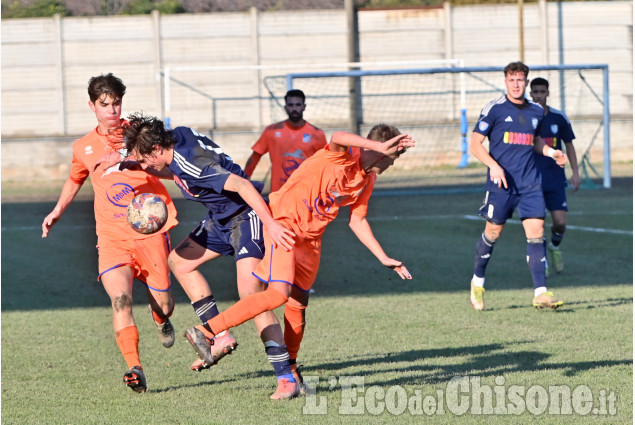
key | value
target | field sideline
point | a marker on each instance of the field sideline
(407, 341)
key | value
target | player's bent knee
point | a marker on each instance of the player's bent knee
(122, 302)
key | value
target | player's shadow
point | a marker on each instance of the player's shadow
(428, 367)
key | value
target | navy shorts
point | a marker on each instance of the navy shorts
(556, 199)
(498, 207)
(241, 236)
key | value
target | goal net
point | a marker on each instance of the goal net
(439, 107)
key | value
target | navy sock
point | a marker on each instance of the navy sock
(205, 308)
(279, 359)
(556, 238)
(536, 260)
(484, 248)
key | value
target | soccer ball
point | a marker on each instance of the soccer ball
(147, 213)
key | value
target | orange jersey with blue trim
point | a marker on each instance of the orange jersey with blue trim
(316, 191)
(288, 147)
(114, 188)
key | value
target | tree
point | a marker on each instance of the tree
(35, 9)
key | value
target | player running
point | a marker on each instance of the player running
(123, 253)
(232, 226)
(556, 130)
(341, 174)
(512, 124)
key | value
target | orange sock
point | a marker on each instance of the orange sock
(247, 308)
(128, 342)
(293, 328)
(160, 318)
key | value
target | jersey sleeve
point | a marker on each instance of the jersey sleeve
(360, 207)
(320, 141)
(79, 172)
(261, 146)
(567, 133)
(484, 124)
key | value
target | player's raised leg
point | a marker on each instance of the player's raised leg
(184, 262)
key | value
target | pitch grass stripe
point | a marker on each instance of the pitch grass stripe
(391, 218)
(569, 227)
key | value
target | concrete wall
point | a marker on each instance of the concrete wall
(46, 63)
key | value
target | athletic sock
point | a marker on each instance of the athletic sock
(205, 308)
(556, 238)
(294, 324)
(162, 318)
(128, 342)
(279, 359)
(536, 260)
(247, 308)
(540, 290)
(484, 248)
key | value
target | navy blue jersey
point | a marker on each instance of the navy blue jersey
(511, 129)
(201, 168)
(556, 131)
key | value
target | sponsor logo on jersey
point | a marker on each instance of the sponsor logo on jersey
(534, 123)
(88, 150)
(482, 125)
(322, 207)
(554, 129)
(120, 194)
(290, 165)
(306, 138)
(278, 134)
(513, 138)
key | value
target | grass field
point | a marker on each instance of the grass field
(405, 340)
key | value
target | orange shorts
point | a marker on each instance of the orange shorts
(148, 257)
(297, 267)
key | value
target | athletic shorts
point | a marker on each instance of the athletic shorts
(556, 199)
(498, 207)
(240, 236)
(148, 257)
(297, 267)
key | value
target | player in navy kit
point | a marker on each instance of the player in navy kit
(556, 130)
(512, 124)
(232, 226)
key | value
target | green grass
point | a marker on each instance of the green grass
(60, 363)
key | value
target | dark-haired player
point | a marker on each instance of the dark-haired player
(556, 131)
(512, 124)
(288, 142)
(123, 253)
(342, 174)
(232, 226)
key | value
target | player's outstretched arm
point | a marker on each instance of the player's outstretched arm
(359, 225)
(279, 234)
(341, 140)
(69, 191)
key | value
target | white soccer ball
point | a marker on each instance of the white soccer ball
(147, 213)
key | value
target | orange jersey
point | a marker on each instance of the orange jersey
(288, 147)
(114, 189)
(313, 195)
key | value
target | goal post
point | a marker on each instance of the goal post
(439, 105)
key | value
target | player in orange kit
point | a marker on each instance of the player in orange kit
(288, 142)
(123, 253)
(341, 174)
